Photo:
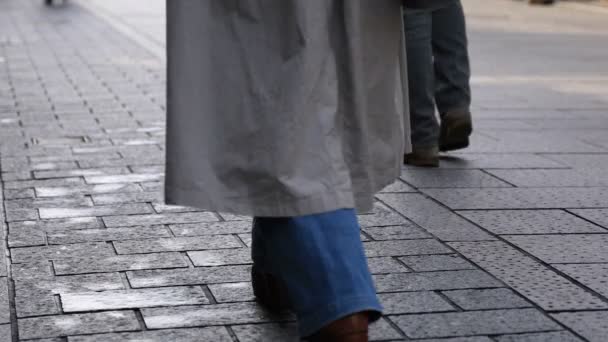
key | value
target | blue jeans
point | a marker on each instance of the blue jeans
(438, 66)
(321, 261)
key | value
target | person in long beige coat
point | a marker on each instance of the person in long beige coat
(290, 111)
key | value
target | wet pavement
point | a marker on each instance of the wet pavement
(506, 242)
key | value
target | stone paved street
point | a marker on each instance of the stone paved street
(507, 242)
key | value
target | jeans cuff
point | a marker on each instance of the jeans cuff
(310, 323)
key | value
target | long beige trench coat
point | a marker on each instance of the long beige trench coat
(283, 107)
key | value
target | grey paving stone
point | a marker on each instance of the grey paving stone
(561, 336)
(553, 249)
(450, 178)
(592, 325)
(109, 234)
(597, 216)
(117, 179)
(404, 247)
(172, 218)
(14, 215)
(515, 222)
(443, 224)
(580, 161)
(594, 276)
(398, 187)
(38, 183)
(221, 257)
(232, 217)
(211, 228)
(57, 225)
(118, 263)
(413, 302)
(425, 263)
(549, 178)
(402, 232)
(5, 332)
(533, 280)
(385, 265)
(474, 323)
(381, 216)
(232, 292)
(163, 208)
(429, 281)
(127, 299)
(521, 198)
(219, 334)
(459, 339)
(178, 244)
(19, 193)
(113, 210)
(89, 323)
(196, 276)
(39, 269)
(75, 172)
(5, 316)
(285, 332)
(126, 197)
(57, 252)
(220, 314)
(485, 299)
(53, 202)
(49, 191)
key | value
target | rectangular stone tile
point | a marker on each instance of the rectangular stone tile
(51, 202)
(14, 215)
(594, 276)
(404, 247)
(126, 197)
(474, 323)
(172, 218)
(86, 189)
(221, 314)
(485, 299)
(459, 339)
(398, 187)
(521, 198)
(450, 178)
(38, 269)
(195, 276)
(413, 302)
(430, 281)
(555, 249)
(5, 316)
(402, 232)
(5, 332)
(232, 292)
(284, 332)
(232, 217)
(580, 161)
(588, 324)
(498, 161)
(129, 178)
(178, 244)
(18, 193)
(503, 222)
(163, 208)
(38, 183)
(597, 216)
(528, 277)
(75, 172)
(121, 209)
(211, 228)
(57, 252)
(381, 216)
(554, 336)
(526, 178)
(221, 257)
(385, 265)
(109, 234)
(429, 263)
(443, 224)
(127, 299)
(119, 263)
(216, 334)
(75, 223)
(65, 325)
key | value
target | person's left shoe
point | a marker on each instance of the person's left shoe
(353, 328)
(456, 127)
(269, 291)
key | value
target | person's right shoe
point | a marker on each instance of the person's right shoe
(542, 2)
(353, 328)
(424, 157)
(456, 127)
(269, 291)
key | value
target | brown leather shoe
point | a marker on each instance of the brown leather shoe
(269, 291)
(456, 127)
(424, 157)
(353, 328)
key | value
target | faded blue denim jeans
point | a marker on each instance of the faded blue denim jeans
(321, 261)
(438, 66)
